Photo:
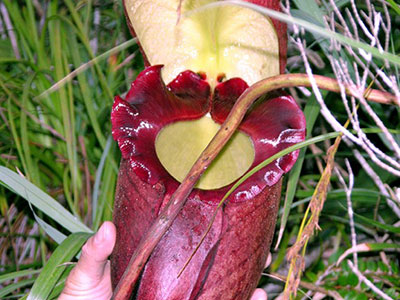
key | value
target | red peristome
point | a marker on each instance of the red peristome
(147, 108)
(272, 124)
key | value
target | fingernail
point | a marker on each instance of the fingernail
(100, 235)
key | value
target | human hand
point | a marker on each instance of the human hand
(91, 278)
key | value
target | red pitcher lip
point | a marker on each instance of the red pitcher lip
(273, 124)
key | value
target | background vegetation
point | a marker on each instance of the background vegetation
(61, 63)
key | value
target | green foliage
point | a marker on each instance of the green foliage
(349, 286)
(59, 71)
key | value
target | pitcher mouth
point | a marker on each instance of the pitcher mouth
(179, 145)
(147, 122)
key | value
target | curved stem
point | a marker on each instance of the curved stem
(149, 241)
(326, 83)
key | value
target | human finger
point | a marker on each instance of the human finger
(96, 251)
(259, 294)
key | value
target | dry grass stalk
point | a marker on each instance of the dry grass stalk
(296, 253)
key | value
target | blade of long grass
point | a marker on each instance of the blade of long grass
(52, 271)
(14, 133)
(311, 112)
(311, 8)
(308, 10)
(55, 234)
(41, 200)
(367, 247)
(269, 160)
(30, 170)
(86, 43)
(15, 286)
(86, 93)
(96, 187)
(68, 118)
(358, 226)
(76, 176)
(66, 111)
(67, 193)
(395, 6)
(104, 208)
(88, 16)
(17, 274)
(377, 224)
(31, 21)
(60, 284)
(359, 195)
(82, 68)
(20, 27)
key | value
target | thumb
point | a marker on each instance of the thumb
(90, 268)
(259, 294)
(96, 251)
(90, 278)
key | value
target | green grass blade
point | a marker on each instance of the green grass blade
(65, 109)
(78, 22)
(377, 224)
(86, 93)
(13, 275)
(269, 160)
(52, 271)
(395, 6)
(311, 113)
(60, 284)
(97, 182)
(381, 246)
(15, 286)
(41, 200)
(311, 8)
(106, 198)
(358, 226)
(82, 68)
(367, 247)
(56, 235)
(12, 126)
(31, 171)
